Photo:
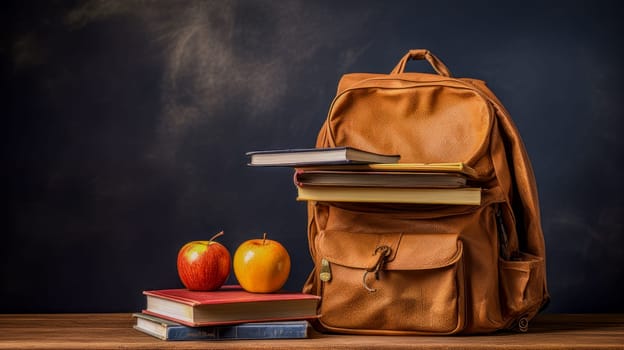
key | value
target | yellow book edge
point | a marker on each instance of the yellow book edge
(455, 196)
(417, 167)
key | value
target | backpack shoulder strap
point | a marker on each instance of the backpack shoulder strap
(525, 186)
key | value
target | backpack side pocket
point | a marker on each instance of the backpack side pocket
(521, 284)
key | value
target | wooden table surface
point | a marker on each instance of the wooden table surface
(114, 331)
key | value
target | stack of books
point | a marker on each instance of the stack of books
(345, 174)
(227, 313)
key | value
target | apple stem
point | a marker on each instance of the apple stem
(216, 236)
(264, 238)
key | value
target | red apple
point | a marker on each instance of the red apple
(204, 265)
(261, 265)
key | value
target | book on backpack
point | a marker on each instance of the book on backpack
(317, 156)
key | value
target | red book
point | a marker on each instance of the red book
(229, 305)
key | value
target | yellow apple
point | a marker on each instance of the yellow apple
(261, 265)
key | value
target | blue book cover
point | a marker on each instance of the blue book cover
(168, 330)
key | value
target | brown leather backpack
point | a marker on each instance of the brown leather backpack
(440, 269)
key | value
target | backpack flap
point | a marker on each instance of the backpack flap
(385, 283)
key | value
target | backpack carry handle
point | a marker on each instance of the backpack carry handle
(420, 54)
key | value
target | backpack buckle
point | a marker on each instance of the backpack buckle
(384, 252)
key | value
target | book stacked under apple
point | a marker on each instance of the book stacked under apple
(227, 313)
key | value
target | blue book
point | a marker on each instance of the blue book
(168, 330)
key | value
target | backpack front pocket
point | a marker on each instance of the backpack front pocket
(391, 282)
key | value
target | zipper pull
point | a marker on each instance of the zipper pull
(325, 274)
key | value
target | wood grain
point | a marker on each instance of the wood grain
(114, 331)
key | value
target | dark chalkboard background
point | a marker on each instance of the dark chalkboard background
(125, 123)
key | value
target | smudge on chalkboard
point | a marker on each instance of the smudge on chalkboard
(225, 52)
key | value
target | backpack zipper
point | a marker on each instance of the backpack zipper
(502, 234)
